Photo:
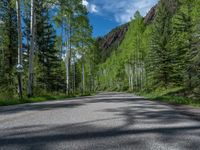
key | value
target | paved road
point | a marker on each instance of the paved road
(107, 121)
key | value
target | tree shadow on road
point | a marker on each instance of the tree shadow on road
(67, 134)
(127, 135)
(144, 122)
(39, 107)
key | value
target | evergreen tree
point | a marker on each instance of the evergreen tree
(181, 42)
(161, 56)
(185, 43)
(8, 55)
(195, 53)
(49, 61)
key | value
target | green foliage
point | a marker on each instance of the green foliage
(125, 68)
(8, 45)
(36, 99)
(185, 44)
(173, 95)
(155, 58)
(161, 55)
(49, 73)
(49, 67)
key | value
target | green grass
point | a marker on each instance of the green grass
(35, 99)
(170, 96)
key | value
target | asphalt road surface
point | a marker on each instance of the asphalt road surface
(107, 121)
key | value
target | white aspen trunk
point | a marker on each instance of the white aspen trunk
(90, 77)
(143, 76)
(135, 72)
(83, 78)
(130, 84)
(129, 76)
(138, 68)
(74, 78)
(18, 6)
(70, 54)
(32, 48)
(67, 62)
(67, 74)
(68, 58)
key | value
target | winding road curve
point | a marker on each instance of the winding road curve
(107, 121)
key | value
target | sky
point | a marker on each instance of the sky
(105, 15)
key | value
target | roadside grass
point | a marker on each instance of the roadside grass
(14, 101)
(171, 96)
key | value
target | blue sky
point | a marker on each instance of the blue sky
(104, 15)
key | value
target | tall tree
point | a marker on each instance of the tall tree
(138, 51)
(32, 50)
(160, 58)
(19, 65)
(185, 43)
(82, 38)
(8, 19)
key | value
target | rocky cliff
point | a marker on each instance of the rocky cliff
(113, 39)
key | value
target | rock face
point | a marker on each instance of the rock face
(150, 15)
(113, 39)
(171, 5)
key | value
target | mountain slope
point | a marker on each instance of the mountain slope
(113, 39)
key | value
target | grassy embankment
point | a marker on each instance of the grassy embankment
(48, 97)
(176, 96)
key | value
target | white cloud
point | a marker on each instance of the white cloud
(92, 8)
(120, 10)
(85, 3)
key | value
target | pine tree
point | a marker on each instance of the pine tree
(160, 57)
(185, 43)
(49, 61)
(195, 53)
(8, 19)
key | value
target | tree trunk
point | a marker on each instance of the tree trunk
(31, 54)
(18, 4)
(67, 74)
(83, 78)
(74, 78)
(70, 55)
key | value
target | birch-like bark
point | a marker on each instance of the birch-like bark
(70, 53)
(18, 6)
(83, 78)
(74, 77)
(67, 62)
(67, 74)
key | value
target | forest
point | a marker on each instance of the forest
(47, 51)
(46, 48)
(160, 57)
